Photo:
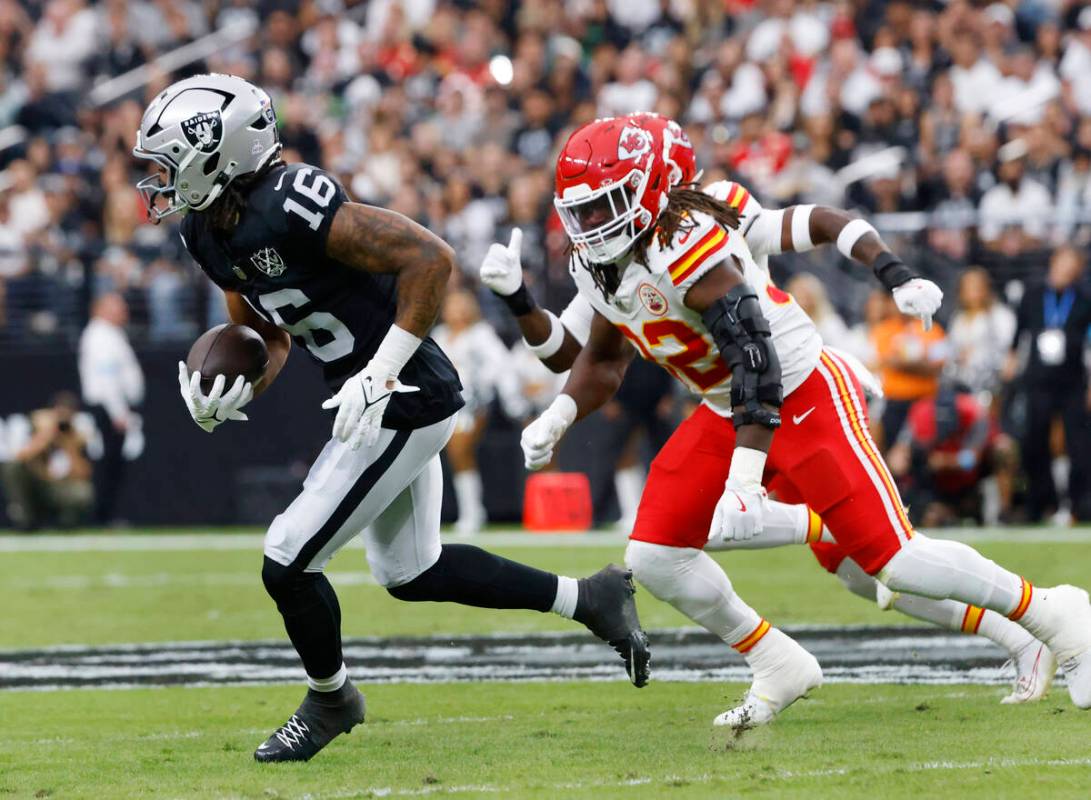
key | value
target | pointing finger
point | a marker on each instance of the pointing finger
(515, 246)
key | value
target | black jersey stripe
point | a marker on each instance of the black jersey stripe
(355, 496)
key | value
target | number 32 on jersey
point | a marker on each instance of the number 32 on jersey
(681, 350)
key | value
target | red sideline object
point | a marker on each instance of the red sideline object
(557, 501)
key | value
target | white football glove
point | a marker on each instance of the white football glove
(218, 406)
(541, 436)
(361, 404)
(739, 514)
(502, 270)
(918, 297)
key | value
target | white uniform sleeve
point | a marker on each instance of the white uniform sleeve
(760, 226)
(577, 317)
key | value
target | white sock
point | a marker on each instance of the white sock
(568, 592)
(468, 492)
(332, 683)
(629, 485)
(1012, 636)
(943, 570)
(949, 614)
(691, 581)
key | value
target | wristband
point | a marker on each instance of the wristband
(519, 302)
(747, 467)
(553, 341)
(891, 270)
(801, 229)
(395, 350)
(851, 234)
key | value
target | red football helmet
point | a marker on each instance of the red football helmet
(672, 142)
(611, 186)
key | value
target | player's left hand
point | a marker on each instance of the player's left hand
(361, 404)
(918, 297)
(541, 436)
(739, 514)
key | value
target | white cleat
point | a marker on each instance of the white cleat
(790, 675)
(1067, 612)
(1035, 666)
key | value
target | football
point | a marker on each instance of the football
(230, 350)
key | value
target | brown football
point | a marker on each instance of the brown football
(230, 350)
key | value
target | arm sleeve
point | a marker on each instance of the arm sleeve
(577, 317)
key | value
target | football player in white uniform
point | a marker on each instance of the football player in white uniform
(558, 341)
(667, 269)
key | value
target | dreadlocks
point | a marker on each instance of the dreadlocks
(224, 213)
(678, 215)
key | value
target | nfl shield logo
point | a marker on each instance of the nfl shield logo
(268, 261)
(204, 131)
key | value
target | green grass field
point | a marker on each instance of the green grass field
(500, 739)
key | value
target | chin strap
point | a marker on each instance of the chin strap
(742, 333)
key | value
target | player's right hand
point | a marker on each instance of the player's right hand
(739, 514)
(361, 403)
(502, 270)
(541, 436)
(217, 406)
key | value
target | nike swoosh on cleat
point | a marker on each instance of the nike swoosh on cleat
(800, 417)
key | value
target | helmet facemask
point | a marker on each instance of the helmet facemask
(604, 223)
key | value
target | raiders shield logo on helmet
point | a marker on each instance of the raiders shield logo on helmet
(204, 131)
(268, 261)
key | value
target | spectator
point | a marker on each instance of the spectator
(811, 295)
(112, 386)
(947, 448)
(49, 478)
(1016, 211)
(976, 329)
(1051, 336)
(910, 360)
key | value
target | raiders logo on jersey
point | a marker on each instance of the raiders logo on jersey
(268, 261)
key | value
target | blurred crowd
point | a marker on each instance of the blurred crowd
(963, 129)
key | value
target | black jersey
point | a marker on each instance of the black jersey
(276, 258)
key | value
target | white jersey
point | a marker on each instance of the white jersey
(649, 306)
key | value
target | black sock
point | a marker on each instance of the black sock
(474, 577)
(312, 615)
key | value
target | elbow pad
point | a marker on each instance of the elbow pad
(742, 333)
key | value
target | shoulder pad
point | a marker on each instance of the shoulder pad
(693, 246)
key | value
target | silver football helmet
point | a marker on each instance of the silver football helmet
(205, 131)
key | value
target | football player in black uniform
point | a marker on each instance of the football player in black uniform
(358, 288)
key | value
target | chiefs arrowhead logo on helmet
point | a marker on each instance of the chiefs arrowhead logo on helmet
(633, 143)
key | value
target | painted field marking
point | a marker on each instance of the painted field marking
(507, 537)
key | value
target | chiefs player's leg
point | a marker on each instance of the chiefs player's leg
(843, 476)
(666, 556)
(797, 524)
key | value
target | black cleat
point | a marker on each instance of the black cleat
(320, 718)
(607, 608)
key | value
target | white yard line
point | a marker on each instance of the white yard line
(509, 537)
